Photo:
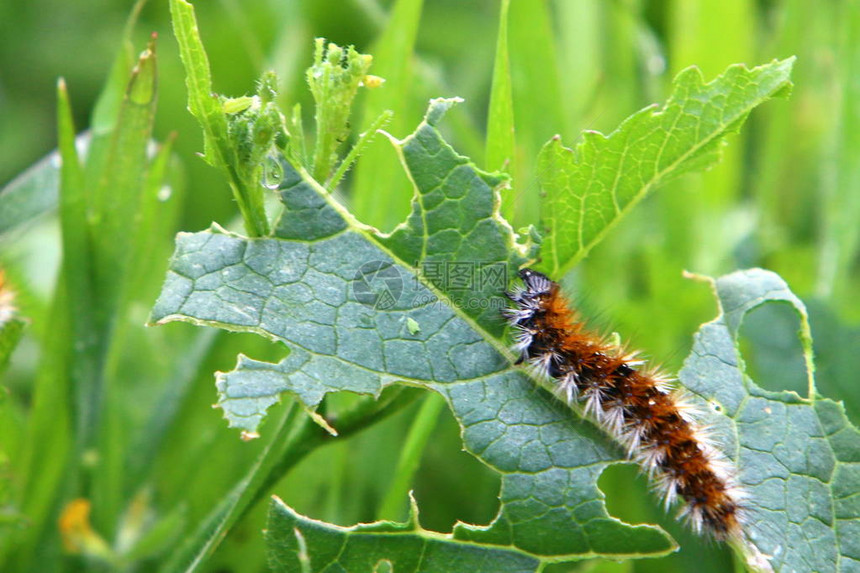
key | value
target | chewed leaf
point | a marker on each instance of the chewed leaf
(797, 458)
(588, 189)
(360, 310)
(346, 303)
(295, 541)
(454, 235)
(246, 393)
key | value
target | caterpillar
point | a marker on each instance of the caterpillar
(636, 404)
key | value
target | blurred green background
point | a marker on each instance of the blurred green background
(786, 197)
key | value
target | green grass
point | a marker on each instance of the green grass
(97, 406)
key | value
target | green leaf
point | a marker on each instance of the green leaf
(454, 234)
(312, 288)
(588, 189)
(198, 79)
(797, 458)
(297, 543)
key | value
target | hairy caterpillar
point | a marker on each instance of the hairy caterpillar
(636, 404)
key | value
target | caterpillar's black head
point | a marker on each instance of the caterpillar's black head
(536, 286)
(536, 283)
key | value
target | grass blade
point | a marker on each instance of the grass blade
(501, 144)
(410, 457)
(373, 194)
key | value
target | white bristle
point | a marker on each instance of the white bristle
(567, 388)
(650, 458)
(540, 364)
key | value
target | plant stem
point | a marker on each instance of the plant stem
(363, 141)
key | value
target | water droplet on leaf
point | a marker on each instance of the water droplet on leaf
(273, 172)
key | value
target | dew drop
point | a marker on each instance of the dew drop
(273, 172)
(164, 193)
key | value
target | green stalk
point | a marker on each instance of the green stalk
(351, 157)
(208, 110)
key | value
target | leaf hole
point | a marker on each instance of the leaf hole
(627, 495)
(388, 202)
(346, 481)
(771, 348)
(452, 485)
(629, 498)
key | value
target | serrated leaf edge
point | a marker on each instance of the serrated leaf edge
(591, 137)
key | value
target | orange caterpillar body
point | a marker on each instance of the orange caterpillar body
(635, 404)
